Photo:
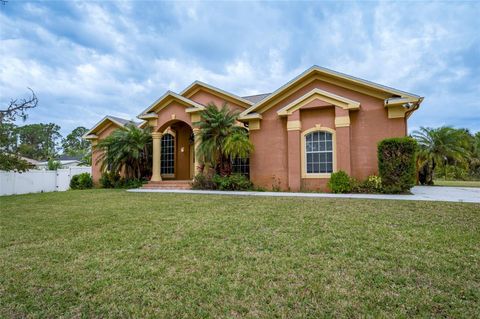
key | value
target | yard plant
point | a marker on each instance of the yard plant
(447, 152)
(108, 253)
(81, 181)
(127, 150)
(340, 182)
(396, 164)
(221, 139)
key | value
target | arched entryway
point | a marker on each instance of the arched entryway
(175, 158)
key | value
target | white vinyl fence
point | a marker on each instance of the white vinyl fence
(36, 181)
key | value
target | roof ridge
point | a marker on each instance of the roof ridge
(256, 94)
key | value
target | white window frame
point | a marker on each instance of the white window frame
(304, 134)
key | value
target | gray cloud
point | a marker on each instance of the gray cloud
(86, 60)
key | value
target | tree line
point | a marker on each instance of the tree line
(41, 141)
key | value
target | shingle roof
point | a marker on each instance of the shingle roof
(256, 98)
(64, 157)
(123, 121)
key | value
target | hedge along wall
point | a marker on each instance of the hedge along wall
(396, 164)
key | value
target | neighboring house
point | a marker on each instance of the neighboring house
(65, 160)
(31, 162)
(320, 122)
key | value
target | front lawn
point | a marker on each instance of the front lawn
(441, 182)
(109, 253)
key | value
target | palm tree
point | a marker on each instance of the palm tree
(127, 149)
(474, 160)
(438, 146)
(221, 140)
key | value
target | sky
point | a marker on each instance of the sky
(87, 59)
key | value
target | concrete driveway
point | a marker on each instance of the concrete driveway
(427, 193)
(447, 194)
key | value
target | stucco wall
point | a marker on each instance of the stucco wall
(96, 154)
(368, 126)
(268, 162)
(205, 98)
(171, 113)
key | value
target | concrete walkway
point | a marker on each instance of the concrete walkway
(427, 193)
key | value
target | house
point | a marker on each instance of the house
(320, 122)
(31, 162)
(65, 161)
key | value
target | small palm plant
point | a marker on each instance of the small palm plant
(221, 141)
(127, 149)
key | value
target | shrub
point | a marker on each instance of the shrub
(373, 184)
(129, 183)
(112, 180)
(340, 182)
(81, 181)
(203, 182)
(234, 182)
(396, 164)
(74, 182)
(452, 172)
(53, 165)
(109, 180)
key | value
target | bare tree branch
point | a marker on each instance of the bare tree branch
(18, 107)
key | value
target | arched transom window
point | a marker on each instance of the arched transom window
(168, 154)
(319, 152)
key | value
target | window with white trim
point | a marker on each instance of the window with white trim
(167, 158)
(319, 152)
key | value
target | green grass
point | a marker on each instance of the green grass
(441, 182)
(109, 253)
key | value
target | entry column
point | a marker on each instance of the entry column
(196, 144)
(157, 149)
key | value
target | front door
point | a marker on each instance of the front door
(176, 152)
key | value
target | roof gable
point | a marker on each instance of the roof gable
(314, 94)
(105, 122)
(329, 76)
(166, 99)
(102, 124)
(229, 97)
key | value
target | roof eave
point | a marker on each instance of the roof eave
(251, 116)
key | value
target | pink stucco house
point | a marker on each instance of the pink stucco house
(320, 122)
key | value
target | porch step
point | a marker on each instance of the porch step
(169, 184)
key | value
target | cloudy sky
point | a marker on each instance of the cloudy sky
(88, 59)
